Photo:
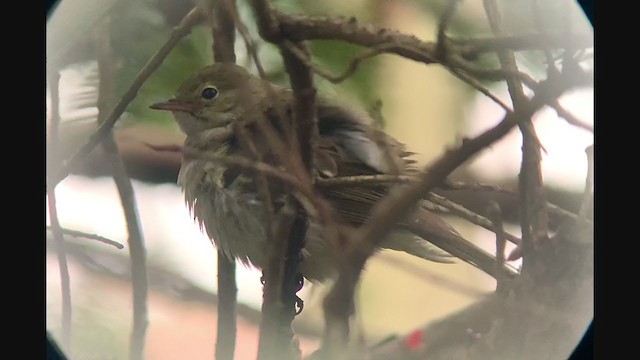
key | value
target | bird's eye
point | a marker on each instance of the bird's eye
(209, 93)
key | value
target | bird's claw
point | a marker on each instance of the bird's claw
(299, 304)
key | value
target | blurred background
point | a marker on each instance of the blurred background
(423, 106)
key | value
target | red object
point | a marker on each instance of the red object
(414, 340)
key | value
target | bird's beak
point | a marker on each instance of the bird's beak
(173, 105)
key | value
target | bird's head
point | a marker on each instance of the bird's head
(215, 96)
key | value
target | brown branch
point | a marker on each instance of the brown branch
(478, 86)
(248, 164)
(569, 117)
(278, 307)
(351, 68)
(456, 209)
(81, 234)
(227, 303)
(471, 216)
(443, 24)
(587, 198)
(137, 250)
(282, 273)
(447, 185)
(453, 63)
(304, 105)
(339, 302)
(65, 281)
(471, 48)
(540, 27)
(298, 27)
(249, 43)
(496, 218)
(183, 29)
(223, 28)
(222, 22)
(534, 219)
(381, 49)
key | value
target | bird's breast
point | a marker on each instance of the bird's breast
(232, 219)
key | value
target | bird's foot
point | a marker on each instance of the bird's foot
(298, 302)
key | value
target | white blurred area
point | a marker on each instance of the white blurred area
(172, 239)
(564, 163)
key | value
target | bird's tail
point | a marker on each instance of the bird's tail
(434, 230)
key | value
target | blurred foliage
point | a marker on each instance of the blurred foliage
(335, 57)
(139, 28)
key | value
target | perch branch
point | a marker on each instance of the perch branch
(137, 250)
(222, 22)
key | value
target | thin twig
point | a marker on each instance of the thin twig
(587, 197)
(227, 302)
(534, 219)
(457, 185)
(496, 218)
(81, 234)
(478, 86)
(540, 27)
(339, 301)
(447, 185)
(304, 106)
(65, 281)
(471, 216)
(137, 251)
(223, 26)
(456, 209)
(569, 117)
(471, 48)
(183, 29)
(249, 43)
(443, 24)
(252, 165)
(351, 68)
(297, 27)
(282, 273)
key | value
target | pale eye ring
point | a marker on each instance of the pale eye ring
(209, 93)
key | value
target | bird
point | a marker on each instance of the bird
(225, 200)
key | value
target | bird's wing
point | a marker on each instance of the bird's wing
(348, 147)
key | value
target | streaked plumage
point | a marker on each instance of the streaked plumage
(225, 201)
